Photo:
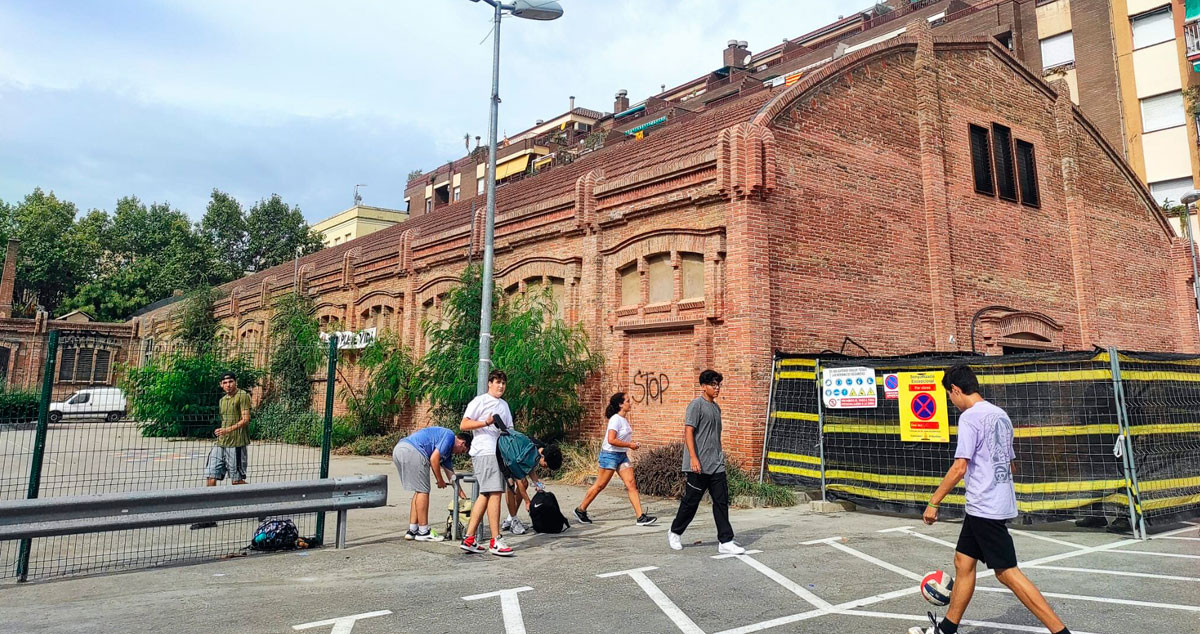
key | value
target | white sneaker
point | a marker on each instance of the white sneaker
(731, 548)
(500, 549)
(516, 527)
(925, 630)
(429, 537)
(506, 524)
(675, 541)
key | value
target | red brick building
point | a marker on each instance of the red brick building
(848, 203)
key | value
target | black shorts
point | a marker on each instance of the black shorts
(987, 541)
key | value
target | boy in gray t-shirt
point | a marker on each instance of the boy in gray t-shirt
(984, 455)
(704, 466)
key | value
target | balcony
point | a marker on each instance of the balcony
(1191, 33)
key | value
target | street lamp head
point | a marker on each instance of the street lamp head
(1190, 197)
(537, 9)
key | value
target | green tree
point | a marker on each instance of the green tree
(198, 325)
(296, 351)
(177, 394)
(224, 227)
(277, 231)
(50, 264)
(546, 360)
(392, 383)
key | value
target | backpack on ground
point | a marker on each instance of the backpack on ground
(546, 516)
(517, 454)
(275, 534)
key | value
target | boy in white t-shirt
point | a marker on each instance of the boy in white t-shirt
(486, 415)
(614, 459)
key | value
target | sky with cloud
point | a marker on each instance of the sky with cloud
(167, 99)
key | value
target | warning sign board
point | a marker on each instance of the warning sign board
(891, 386)
(848, 388)
(922, 402)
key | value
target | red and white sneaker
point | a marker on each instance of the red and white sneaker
(499, 548)
(471, 545)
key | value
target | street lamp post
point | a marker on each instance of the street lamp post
(531, 10)
(1188, 199)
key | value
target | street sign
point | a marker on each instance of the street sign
(891, 387)
(848, 388)
(922, 403)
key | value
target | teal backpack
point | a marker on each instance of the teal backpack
(517, 453)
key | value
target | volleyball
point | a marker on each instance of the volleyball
(936, 587)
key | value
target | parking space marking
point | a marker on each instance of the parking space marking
(836, 543)
(1188, 539)
(1119, 573)
(1080, 597)
(788, 584)
(664, 603)
(909, 531)
(1052, 540)
(342, 624)
(1154, 554)
(914, 617)
(510, 607)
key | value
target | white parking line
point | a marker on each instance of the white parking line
(342, 624)
(510, 607)
(668, 607)
(1060, 542)
(790, 585)
(914, 617)
(1080, 597)
(1119, 573)
(1188, 539)
(1153, 554)
(836, 543)
(909, 531)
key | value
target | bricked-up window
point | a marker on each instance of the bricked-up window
(691, 272)
(981, 160)
(662, 278)
(1027, 174)
(631, 285)
(1002, 155)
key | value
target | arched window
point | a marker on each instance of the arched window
(668, 277)
(84, 365)
(379, 317)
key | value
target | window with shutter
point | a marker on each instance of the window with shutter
(1162, 111)
(1152, 28)
(1027, 174)
(83, 364)
(66, 365)
(1058, 50)
(981, 160)
(100, 374)
(1002, 155)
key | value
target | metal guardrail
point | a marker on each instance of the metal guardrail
(69, 515)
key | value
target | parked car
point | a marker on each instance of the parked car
(107, 403)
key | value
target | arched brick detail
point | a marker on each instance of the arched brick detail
(746, 160)
(434, 287)
(585, 198)
(349, 258)
(568, 269)
(660, 241)
(1022, 329)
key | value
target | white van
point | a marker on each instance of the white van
(106, 403)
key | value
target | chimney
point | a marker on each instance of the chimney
(735, 54)
(8, 278)
(572, 107)
(622, 102)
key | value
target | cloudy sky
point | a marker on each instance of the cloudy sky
(167, 99)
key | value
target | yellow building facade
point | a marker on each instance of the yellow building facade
(355, 222)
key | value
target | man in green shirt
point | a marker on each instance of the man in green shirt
(233, 436)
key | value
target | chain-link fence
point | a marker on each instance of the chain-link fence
(148, 422)
(1096, 434)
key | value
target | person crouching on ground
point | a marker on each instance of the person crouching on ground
(414, 456)
(486, 415)
(549, 457)
(614, 458)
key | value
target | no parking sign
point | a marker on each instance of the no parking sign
(922, 402)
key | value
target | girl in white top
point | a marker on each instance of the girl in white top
(614, 458)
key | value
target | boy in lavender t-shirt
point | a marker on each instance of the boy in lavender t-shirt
(984, 455)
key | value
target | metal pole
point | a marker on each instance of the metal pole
(485, 311)
(1132, 489)
(1187, 228)
(762, 465)
(820, 425)
(39, 447)
(327, 433)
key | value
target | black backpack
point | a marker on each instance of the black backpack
(547, 518)
(275, 535)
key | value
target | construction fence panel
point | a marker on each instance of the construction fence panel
(1162, 397)
(1067, 435)
(148, 426)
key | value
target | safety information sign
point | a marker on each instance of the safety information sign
(891, 386)
(848, 388)
(922, 402)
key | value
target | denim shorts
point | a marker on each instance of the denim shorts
(613, 459)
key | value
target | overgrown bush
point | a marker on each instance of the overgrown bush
(296, 351)
(659, 471)
(18, 407)
(391, 384)
(378, 445)
(176, 395)
(277, 421)
(579, 462)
